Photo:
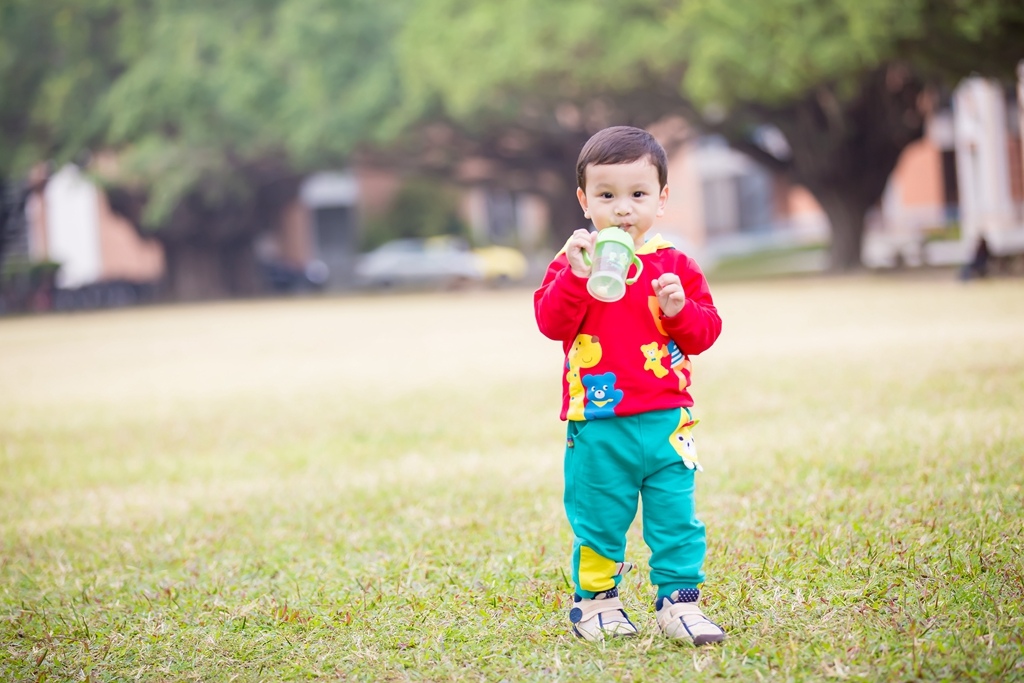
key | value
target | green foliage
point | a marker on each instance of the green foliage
(423, 207)
(189, 95)
(23, 282)
(192, 107)
(56, 61)
(197, 99)
(943, 233)
(478, 58)
(340, 82)
(708, 52)
(783, 261)
(841, 79)
(774, 52)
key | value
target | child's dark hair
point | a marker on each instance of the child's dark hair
(621, 145)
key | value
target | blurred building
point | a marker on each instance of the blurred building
(961, 181)
(323, 230)
(98, 258)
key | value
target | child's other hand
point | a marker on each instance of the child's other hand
(669, 290)
(581, 240)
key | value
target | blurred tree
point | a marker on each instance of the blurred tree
(56, 60)
(493, 82)
(424, 206)
(202, 119)
(847, 84)
(226, 106)
(521, 154)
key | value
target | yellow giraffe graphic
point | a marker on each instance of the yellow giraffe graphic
(682, 440)
(585, 353)
(680, 363)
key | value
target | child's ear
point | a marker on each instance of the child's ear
(582, 197)
(662, 199)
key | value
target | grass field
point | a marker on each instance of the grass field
(370, 489)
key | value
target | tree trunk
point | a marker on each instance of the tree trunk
(13, 197)
(846, 216)
(843, 150)
(209, 247)
(566, 218)
(200, 271)
(6, 213)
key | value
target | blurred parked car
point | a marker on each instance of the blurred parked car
(440, 261)
(500, 265)
(444, 261)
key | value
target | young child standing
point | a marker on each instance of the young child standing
(625, 396)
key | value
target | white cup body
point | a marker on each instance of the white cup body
(608, 273)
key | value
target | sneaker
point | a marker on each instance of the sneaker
(679, 618)
(600, 617)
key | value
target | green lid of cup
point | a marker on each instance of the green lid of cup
(614, 234)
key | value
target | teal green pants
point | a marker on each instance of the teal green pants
(611, 464)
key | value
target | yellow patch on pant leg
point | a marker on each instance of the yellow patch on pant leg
(596, 572)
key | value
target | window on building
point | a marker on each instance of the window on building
(756, 210)
(335, 229)
(502, 216)
(721, 206)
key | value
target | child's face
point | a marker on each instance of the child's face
(623, 195)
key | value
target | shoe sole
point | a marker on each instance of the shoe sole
(708, 640)
(607, 634)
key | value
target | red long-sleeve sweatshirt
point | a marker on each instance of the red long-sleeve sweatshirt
(626, 357)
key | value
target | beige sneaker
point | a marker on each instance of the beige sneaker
(600, 617)
(680, 618)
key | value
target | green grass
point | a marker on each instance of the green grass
(369, 489)
(779, 261)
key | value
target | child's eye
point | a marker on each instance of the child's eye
(606, 195)
(638, 194)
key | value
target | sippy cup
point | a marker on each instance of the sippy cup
(613, 254)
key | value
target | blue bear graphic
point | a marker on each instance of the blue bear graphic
(602, 396)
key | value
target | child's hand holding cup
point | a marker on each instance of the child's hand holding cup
(614, 253)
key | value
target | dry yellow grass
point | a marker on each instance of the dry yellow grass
(173, 391)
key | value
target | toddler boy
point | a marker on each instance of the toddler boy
(625, 396)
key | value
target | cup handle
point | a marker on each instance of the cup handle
(639, 269)
(586, 257)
